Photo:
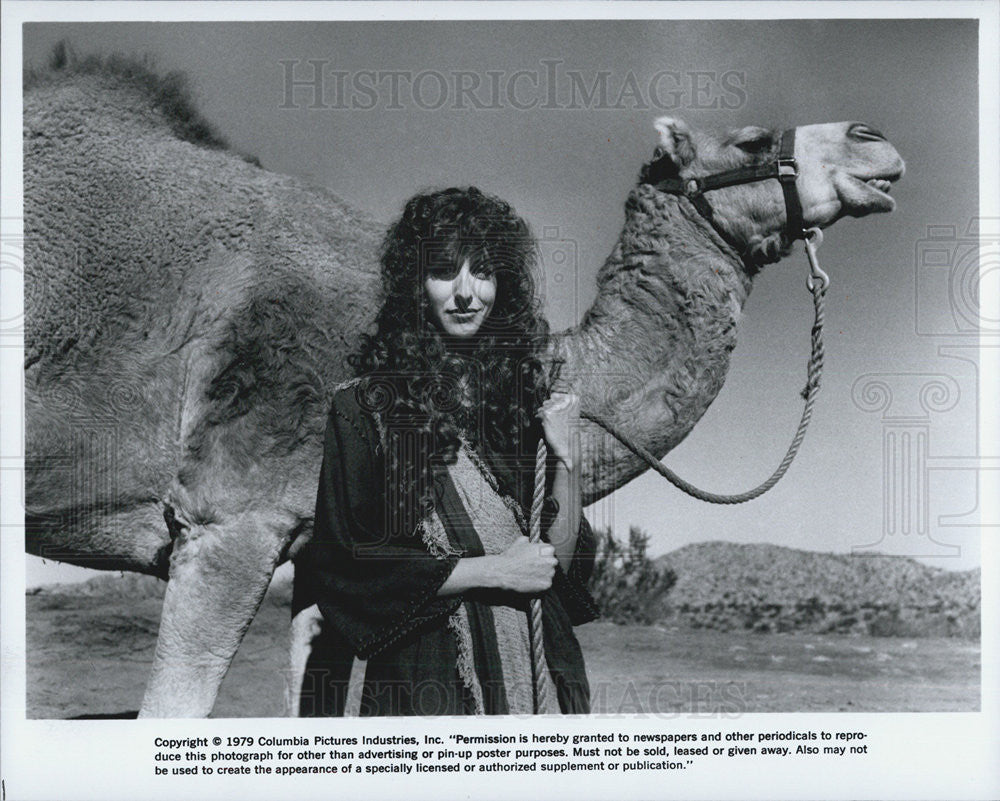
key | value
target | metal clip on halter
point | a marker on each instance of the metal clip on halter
(787, 168)
(813, 239)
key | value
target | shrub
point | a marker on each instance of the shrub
(627, 586)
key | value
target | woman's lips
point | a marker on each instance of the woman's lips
(464, 315)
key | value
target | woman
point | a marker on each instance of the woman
(419, 560)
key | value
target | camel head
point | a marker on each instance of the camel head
(844, 169)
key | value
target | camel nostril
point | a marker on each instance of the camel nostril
(866, 133)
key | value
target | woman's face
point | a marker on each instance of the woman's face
(460, 300)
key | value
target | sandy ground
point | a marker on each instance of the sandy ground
(89, 656)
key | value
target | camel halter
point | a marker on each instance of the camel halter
(783, 167)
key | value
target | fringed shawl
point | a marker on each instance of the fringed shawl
(426, 654)
(471, 518)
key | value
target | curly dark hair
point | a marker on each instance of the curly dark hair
(418, 375)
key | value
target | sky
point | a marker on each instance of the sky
(902, 306)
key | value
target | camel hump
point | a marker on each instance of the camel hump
(169, 96)
(196, 306)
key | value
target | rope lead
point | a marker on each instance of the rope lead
(817, 282)
(539, 666)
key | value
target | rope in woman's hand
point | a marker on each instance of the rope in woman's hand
(539, 665)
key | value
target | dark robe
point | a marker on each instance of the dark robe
(377, 591)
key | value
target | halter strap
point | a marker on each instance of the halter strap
(783, 167)
(788, 173)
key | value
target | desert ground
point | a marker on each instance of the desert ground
(88, 655)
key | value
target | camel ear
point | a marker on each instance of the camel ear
(675, 140)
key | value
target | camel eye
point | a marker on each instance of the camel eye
(866, 133)
(755, 144)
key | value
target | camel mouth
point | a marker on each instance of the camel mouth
(869, 195)
(880, 185)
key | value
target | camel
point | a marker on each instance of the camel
(188, 315)
(652, 352)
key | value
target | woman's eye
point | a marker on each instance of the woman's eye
(442, 272)
(482, 268)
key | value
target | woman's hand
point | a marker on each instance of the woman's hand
(525, 566)
(560, 415)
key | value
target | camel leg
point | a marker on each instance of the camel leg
(307, 625)
(218, 576)
(322, 668)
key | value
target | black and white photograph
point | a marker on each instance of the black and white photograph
(602, 391)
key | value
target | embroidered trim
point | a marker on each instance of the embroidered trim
(350, 382)
(353, 424)
(581, 607)
(383, 435)
(435, 537)
(381, 640)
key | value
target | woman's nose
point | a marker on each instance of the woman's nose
(462, 288)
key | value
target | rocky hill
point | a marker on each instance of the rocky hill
(722, 585)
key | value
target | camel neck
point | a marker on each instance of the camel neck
(654, 348)
(662, 230)
(668, 264)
